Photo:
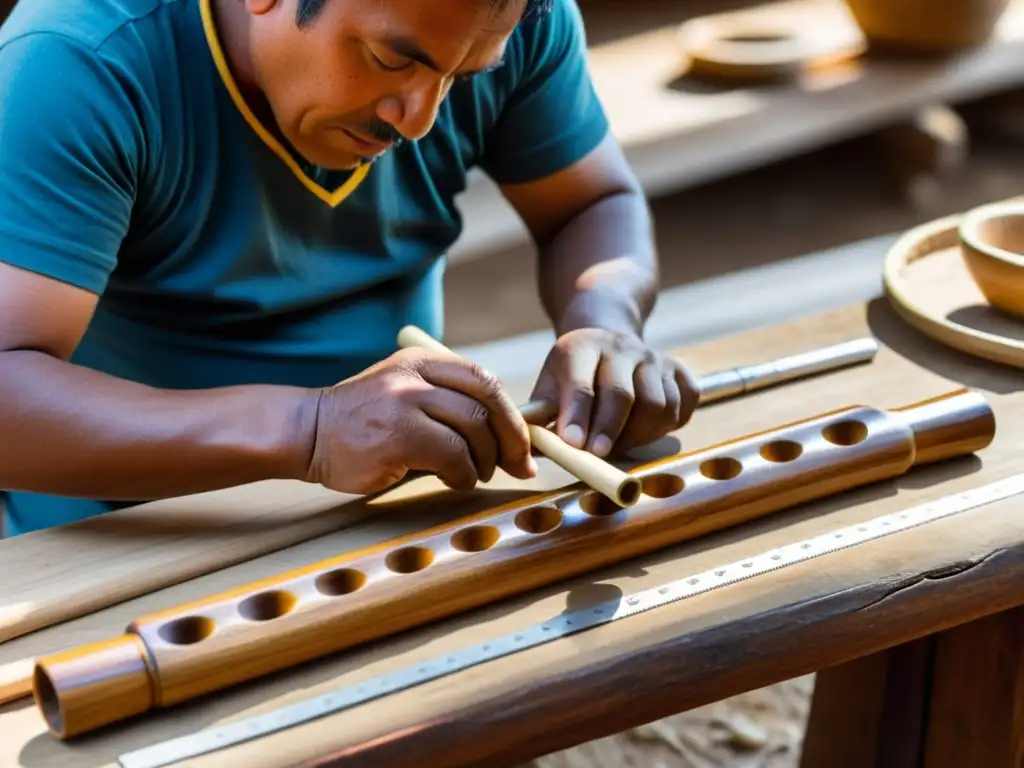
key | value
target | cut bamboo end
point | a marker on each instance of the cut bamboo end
(622, 488)
(87, 688)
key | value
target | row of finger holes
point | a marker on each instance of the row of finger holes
(537, 520)
(273, 604)
(844, 433)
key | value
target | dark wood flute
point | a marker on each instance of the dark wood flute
(242, 634)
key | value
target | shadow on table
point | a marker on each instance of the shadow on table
(102, 748)
(424, 510)
(970, 371)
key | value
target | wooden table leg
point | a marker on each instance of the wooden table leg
(955, 699)
(976, 707)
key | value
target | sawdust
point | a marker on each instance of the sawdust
(760, 729)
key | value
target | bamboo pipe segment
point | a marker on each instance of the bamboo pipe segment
(620, 487)
(16, 677)
(291, 618)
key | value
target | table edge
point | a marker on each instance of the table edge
(644, 684)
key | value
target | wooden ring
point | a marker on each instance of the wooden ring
(741, 49)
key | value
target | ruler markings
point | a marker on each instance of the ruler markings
(213, 739)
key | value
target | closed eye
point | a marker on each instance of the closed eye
(467, 76)
(390, 67)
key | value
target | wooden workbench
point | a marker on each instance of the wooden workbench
(838, 613)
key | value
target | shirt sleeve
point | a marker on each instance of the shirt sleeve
(69, 148)
(552, 117)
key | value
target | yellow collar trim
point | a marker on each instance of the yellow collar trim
(334, 198)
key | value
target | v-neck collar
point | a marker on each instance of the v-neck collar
(332, 197)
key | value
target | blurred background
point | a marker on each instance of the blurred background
(796, 147)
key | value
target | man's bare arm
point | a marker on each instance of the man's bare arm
(72, 431)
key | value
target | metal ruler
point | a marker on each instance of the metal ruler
(213, 739)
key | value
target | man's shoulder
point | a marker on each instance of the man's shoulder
(556, 27)
(91, 24)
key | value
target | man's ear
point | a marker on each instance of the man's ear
(258, 7)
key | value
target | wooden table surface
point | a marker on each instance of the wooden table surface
(786, 623)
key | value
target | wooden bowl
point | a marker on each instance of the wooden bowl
(926, 26)
(992, 246)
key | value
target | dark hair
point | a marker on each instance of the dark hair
(308, 10)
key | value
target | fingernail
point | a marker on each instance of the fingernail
(574, 435)
(531, 465)
(602, 446)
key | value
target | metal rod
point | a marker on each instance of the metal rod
(739, 381)
(733, 382)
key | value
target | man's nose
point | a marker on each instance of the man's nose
(419, 106)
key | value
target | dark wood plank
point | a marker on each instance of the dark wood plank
(657, 680)
(870, 712)
(976, 715)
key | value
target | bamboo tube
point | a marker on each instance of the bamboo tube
(191, 650)
(604, 478)
(16, 677)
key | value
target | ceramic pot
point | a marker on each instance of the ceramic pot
(926, 26)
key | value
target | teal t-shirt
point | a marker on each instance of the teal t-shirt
(130, 167)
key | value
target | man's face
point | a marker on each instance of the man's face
(364, 74)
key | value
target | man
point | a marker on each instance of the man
(213, 211)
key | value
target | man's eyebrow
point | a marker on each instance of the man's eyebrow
(405, 47)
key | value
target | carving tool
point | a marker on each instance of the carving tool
(603, 477)
(214, 739)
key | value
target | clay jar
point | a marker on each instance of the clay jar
(926, 26)
(992, 245)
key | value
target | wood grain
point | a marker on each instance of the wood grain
(870, 712)
(952, 699)
(977, 695)
(812, 616)
(568, 707)
(54, 575)
(325, 607)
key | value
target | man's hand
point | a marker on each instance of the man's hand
(613, 393)
(418, 410)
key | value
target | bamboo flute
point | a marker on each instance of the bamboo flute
(16, 677)
(198, 648)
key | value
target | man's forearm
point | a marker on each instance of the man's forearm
(70, 431)
(601, 270)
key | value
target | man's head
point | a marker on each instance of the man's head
(346, 79)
